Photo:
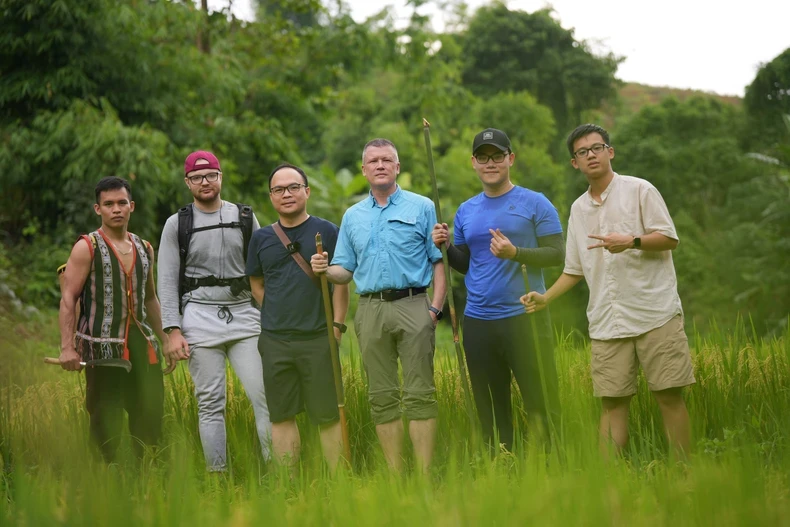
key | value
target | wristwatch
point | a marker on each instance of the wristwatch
(436, 312)
(341, 327)
(637, 242)
(167, 330)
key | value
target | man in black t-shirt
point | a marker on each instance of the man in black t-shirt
(294, 345)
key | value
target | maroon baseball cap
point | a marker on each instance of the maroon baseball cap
(191, 162)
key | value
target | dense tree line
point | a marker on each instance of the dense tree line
(90, 88)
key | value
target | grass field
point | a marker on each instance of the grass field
(739, 473)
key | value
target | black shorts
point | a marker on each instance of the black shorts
(298, 374)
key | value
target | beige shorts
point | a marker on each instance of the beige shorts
(663, 353)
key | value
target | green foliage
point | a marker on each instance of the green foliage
(509, 50)
(730, 209)
(767, 99)
(53, 165)
(49, 53)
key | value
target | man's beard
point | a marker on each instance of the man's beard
(207, 198)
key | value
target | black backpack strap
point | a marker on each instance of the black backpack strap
(245, 218)
(184, 234)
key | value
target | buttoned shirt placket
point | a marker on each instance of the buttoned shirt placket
(612, 285)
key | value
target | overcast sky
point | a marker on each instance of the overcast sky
(707, 45)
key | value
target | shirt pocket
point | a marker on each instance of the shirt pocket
(404, 234)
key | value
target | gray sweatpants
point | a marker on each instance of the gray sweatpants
(211, 339)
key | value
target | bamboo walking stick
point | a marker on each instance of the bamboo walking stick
(341, 399)
(459, 354)
(536, 342)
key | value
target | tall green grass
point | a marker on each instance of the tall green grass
(739, 473)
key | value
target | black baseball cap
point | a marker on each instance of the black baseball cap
(491, 136)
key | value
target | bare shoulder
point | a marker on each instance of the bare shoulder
(82, 252)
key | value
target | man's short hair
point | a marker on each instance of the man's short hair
(584, 130)
(288, 165)
(379, 143)
(112, 183)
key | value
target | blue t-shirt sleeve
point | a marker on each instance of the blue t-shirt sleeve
(458, 227)
(434, 254)
(547, 219)
(344, 251)
(253, 263)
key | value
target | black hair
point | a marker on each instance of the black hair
(584, 130)
(379, 143)
(112, 183)
(288, 165)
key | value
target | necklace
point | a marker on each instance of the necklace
(120, 251)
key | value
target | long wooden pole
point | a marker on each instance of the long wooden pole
(341, 398)
(459, 354)
(552, 431)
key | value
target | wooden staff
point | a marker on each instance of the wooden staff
(536, 342)
(341, 399)
(459, 354)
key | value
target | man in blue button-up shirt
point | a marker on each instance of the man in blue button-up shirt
(385, 245)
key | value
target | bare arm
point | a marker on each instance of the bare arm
(334, 273)
(78, 269)
(256, 286)
(340, 296)
(655, 241)
(439, 286)
(338, 275)
(563, 284)
(154, 312)
(617, 243)
(152, 307)
(534, 301)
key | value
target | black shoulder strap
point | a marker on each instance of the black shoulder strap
(245, 218)
(184, 234)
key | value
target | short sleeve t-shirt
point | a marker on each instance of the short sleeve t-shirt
(293, 307)
(494, 285)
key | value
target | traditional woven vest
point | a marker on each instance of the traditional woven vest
(112, 300)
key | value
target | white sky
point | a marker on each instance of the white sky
(708, 45)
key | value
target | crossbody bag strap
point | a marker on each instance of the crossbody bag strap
(300, 261)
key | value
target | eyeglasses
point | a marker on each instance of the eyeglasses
(496, 158)
(197, 180)
(292, 189)
(597, 148)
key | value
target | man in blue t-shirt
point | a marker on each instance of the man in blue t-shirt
(495, 232)
(294, 346)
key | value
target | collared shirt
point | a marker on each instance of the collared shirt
(634, 291)
(388, 247)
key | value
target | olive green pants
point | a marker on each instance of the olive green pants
(390, 330)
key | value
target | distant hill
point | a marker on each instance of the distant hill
(633, 96)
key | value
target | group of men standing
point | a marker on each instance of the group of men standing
(230, 289)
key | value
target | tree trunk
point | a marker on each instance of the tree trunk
(203, 41)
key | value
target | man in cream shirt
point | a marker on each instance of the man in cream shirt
(620, 240)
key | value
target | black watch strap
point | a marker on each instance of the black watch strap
(436, 312)
(637, 242)
(342, 327)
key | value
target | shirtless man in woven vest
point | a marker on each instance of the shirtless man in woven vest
(111, 274)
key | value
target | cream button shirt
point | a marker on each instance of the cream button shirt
(634, 291)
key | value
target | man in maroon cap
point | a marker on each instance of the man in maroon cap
(207, 308)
